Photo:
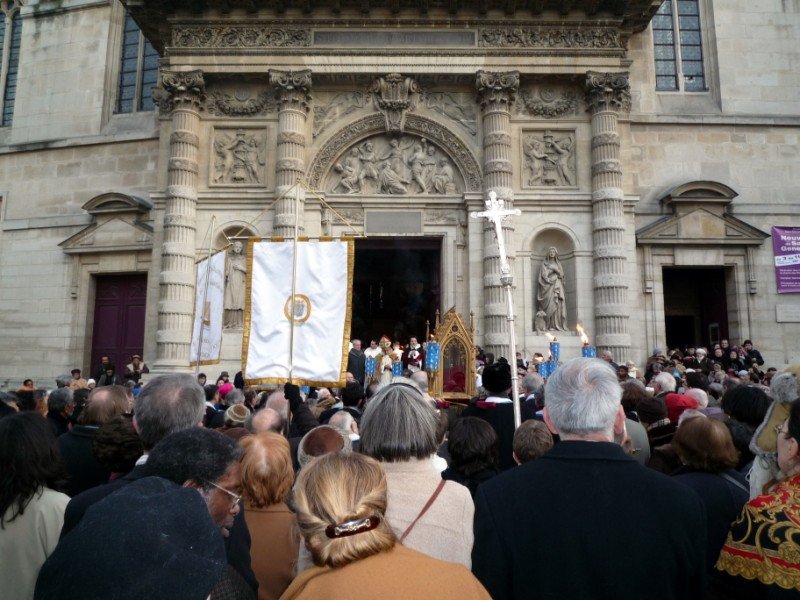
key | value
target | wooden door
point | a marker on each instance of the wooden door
(119, 311)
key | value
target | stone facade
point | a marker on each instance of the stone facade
(555, 112)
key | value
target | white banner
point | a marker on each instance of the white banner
(208, 315)
(320, 312)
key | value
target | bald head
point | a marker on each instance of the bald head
(421, 379)
(267, 419)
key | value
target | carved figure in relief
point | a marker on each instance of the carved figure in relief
(235, 277)
(449, 105)
(237, 159)
(550, 295)
(444, 180)
(368, 160)
(390, 182)
(551, 161)
(395, 155)
(417, 163)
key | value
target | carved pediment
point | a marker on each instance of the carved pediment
(118, 226)
(699, 227)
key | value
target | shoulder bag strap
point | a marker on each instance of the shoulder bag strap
(425, 508)
(733, 481)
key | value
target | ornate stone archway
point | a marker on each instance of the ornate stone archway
(358, 130)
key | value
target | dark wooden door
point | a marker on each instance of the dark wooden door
(119, 310)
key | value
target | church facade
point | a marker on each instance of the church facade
(651, 148)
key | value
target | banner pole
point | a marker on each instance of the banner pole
(205, 295)
(294, 277)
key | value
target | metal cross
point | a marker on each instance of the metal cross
(496, 212)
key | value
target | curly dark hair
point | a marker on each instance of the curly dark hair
(472, 444)
(29, 461)
(116, 445)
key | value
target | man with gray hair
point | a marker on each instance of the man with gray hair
(594, 506)
(60, 405)
(167, 404)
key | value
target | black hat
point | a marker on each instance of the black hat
(651, 410)
(75, 371)
(496, 377)
(151, 539)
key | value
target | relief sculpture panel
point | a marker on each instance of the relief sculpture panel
(406, 165)
(549, 159)
(238, 157)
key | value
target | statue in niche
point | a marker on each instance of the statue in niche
(550, 161)
(550, 296)
(235, 278)
(237, 158)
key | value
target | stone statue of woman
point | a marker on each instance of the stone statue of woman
(550, 296)
(235, 278)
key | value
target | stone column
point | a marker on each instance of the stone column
(293, 94)
(182, 93)
(496, 95)
(608, 95)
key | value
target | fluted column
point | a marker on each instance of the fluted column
(496, 95)
(294, 96)
(182, 93)
(607, 95)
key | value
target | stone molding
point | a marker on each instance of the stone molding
(608, 91)
(239, 36)
(549, 38)
(293, 87)
(549, 105)
(375, 123)
(180, 88)
(497, 88)
(224, 104)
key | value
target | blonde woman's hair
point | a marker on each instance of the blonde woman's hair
(334, 489)
(267, 471)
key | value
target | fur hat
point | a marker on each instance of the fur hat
(237, 415)
(651, 410)
(496, 377)
(150, 539)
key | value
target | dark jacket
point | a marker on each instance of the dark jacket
(588, 521)
(472, 481)
(501, 418)
(356, 362)
(723, 500)
(237, 544)
(84, 470)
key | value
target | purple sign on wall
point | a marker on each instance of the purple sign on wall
(786, 245)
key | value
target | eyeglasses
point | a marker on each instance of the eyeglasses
(236, 498)
(779, 429)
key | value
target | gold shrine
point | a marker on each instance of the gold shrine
(454, 380)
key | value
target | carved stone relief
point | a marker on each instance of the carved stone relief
(548, 102)
(397, 166)
(441, 217)
(549, 158)
(339, 106)
(333, 149)
(457, 107)
(548, 38)
(239, 157)
(243, 101)
(238, 36)
(394, 95)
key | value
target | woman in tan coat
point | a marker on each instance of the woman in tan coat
(267, 477)
(341, 503)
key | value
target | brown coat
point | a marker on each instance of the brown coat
(397, 574)
(273, 551)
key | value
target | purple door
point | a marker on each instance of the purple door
(118, 320)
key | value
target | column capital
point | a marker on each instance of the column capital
(180, 88)
(608, 91)
(496, 89)
(293, 87)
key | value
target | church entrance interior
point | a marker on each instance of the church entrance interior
(396, 287)
(695, 306)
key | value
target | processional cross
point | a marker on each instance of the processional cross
(496, 212)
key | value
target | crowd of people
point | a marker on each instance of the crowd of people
(679, 480)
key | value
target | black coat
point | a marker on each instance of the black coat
(501, 417)
(588, 521)
(356, 362)
(84, 470)
(723, 500)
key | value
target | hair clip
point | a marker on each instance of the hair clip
(354, 527)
